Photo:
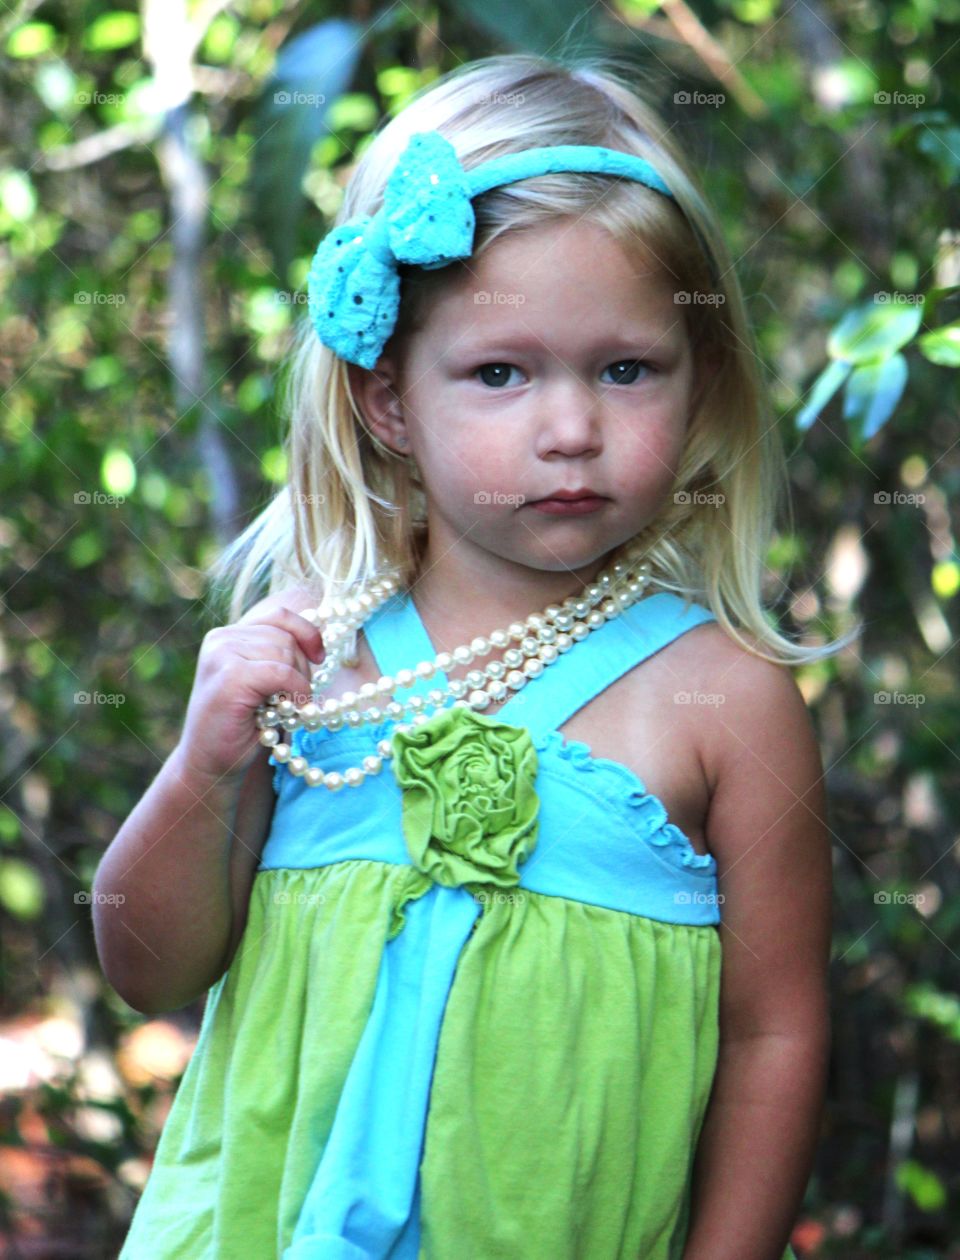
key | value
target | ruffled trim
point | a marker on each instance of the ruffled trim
(647, 812)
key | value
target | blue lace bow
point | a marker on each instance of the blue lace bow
(426, 219)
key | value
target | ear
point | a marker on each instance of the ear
(376, 392)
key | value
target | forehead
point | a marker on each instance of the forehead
(568, 278)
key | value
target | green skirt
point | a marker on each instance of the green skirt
(573, 1070)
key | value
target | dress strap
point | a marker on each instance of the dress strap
(599, 660)
(399, 639)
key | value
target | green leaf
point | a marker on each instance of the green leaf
(872, 392)
(942, 345)
(824, 388)
(874, 331)
(31, 39)
(923, 1186)
(118, 472)
(21, 889)
(112, 30)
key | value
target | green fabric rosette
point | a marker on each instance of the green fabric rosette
(470, 810)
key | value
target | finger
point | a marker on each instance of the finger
(306, 635)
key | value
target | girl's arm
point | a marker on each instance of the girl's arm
(766, 827)
(173, 862)
(183, 861)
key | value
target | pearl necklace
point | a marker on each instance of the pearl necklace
(541, 640)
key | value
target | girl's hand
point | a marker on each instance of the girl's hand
(268, 650)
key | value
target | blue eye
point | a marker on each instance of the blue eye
(631, 364)
(503, 368)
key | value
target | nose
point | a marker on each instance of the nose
(570, 418)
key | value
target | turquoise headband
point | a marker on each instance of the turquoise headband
(426, 219)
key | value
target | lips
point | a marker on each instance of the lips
(569, 496)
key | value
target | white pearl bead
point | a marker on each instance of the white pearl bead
(313, 776)
(479, 646)
(333, 781)
(372, 765)
(297, 765)
(499, 638)
(368, 691)
(515, 680)
(517, 630)
(384, 748)
(281, 752)
(426, 669)
(269, 737)
(479, 699)
(443, 661)
(405, 677)
(533, 667)
(385, 685)
(354, 777)
(462, 655)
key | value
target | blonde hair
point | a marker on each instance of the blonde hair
(352, 509)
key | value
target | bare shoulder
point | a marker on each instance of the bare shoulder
(766, 826)
(744, 703)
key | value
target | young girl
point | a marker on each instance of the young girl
(517, 945)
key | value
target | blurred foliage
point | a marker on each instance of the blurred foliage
(829, 139)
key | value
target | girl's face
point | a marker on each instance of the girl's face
(557, 363)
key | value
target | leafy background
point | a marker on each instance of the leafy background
(165, 173)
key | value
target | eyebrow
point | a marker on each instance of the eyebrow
(500, 342)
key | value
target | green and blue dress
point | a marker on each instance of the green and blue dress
(474, 1011)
